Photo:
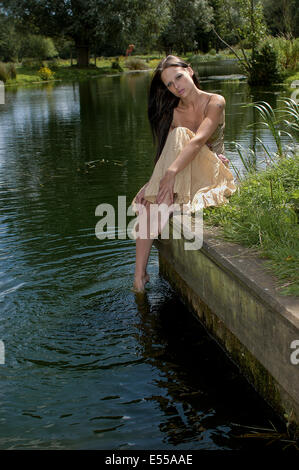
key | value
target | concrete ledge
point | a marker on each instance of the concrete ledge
(237, 300)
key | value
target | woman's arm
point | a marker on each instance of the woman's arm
(208, 126)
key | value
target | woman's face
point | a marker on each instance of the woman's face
(178, 80)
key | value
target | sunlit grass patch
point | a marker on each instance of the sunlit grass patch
(263, 214)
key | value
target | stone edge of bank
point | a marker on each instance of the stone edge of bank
(232, 293)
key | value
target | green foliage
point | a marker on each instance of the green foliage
(253, 27)
(263, 214)
(3, 72)
(282, 122)
(32, 63)
(151, 24)
(188, 19)
(12, 71)
(196, 60)
(287, 49)
(7, 71)
(10, 40)
(65, 47)
(264, 211)
(115, 65)
(282, 17)
(265, 68)
(96, 25)
(105, 28)
(244, 18)
(290, 114)
(38, 47)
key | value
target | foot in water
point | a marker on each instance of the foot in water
(139, 284)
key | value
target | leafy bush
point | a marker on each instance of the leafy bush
(135, 63)
(12, 72)
(7, 71)
(51, 64)
(265, 68)
(10, 39)
(287, 49)
(38, 47)
(263, 214)
(3, 72)
(115, 65)
(45, 73)
(30, 62)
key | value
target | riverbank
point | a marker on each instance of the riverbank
(63, 70)
(234, 297)
(263, 216)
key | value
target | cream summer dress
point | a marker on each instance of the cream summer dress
(204, 182)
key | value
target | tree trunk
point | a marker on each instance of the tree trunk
(82, 55)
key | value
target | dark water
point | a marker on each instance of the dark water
(88, 366)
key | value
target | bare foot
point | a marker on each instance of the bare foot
(139, 283)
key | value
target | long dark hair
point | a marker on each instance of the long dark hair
(161, 102)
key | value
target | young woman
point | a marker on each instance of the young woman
(190, 167)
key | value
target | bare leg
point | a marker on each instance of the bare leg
(143, 248)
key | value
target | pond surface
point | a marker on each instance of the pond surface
(87, 365)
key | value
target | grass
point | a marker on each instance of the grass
(211, 55)
(63, 71)
(28, 73)
(263, 214)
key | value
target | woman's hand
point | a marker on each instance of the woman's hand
(166, 188)
(224, 160)
(140, 196)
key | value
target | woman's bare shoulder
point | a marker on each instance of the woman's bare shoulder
(217, 99)
(215, 106)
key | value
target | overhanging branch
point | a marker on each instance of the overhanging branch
(247, 65)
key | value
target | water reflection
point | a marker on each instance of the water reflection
(200, 392)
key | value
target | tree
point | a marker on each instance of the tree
(219, 23)
(282, 16)
(117, 23)
(187, 19)
(10, 40)
(87, 22)
(151, 23)
(52, 18)
(250, 29)
(39, 47)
